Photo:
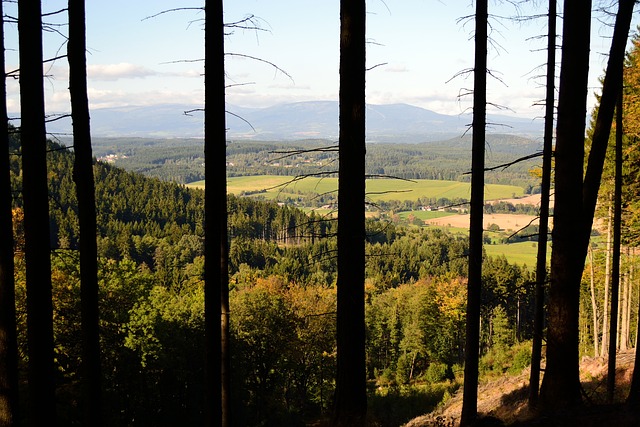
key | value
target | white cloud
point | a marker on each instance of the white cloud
(396, 69)
(99, 98)
(123, 70)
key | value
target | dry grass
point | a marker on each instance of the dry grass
(504, 401)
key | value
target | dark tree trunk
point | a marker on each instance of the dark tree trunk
(8, 339)
(615, 266)
(36, 216)
(610, 88)
(85, 192)
(633, 399)
(217, 358)
(541, 261)
(351, 398)
(472, 344)
(561, 382)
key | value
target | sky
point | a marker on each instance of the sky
(418, 52)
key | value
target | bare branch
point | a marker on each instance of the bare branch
(240, 55)
(376, 66)
(177, 9)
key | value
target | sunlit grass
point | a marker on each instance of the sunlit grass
(281, 187)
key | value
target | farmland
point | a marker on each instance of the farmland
(279, 188)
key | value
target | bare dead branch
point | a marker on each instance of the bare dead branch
(376, 66)
(177, 9)
(264, 61)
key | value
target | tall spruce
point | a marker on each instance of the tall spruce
(351, 398)
(575, 198)
(36, 216)
(85, 194)
(541, 259)
(615, 268)
(217, 356)
(474, 286)
(8, 338)
(561, 382)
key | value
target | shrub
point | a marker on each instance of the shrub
(438, 372)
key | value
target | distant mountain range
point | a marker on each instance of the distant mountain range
(300, 120)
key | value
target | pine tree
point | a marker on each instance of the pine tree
(474, 286)
(85, 194)
(8, 339)
(351, 398)
(36, 216)
(217, 367)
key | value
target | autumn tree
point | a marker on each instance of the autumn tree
(8, 339)
(217, 387)
(351, 398)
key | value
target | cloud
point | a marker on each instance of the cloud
(99, 98)
(396, 69)
(123, 70)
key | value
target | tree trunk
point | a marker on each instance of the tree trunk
(36, 216)
(8, 338)
(561, 382)
(351, 397)
(607, 282)
(541, 260)
(615, 268)
(85, 191)
(633, 399)
(611, 86)
(217, 368)
(594, 306)
(472, 343)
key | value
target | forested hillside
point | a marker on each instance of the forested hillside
(182, 160)
(283, 272)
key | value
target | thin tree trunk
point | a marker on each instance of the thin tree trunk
(627, 304)
(85, 191)
(217, 356)
(561, 381)
(474, 287)
(351, 397)
(36, 216)
(615, 269)
(594, 305)
(633, 399)
(8, 338)
(607, 284)
(541, 260)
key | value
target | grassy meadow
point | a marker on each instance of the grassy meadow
(280, 187)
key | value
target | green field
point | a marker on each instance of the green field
(280, 187)
(522, 253)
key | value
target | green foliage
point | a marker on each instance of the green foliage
(283, 299)
(389, 407)
(438, 372)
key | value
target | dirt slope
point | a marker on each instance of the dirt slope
(506, 398)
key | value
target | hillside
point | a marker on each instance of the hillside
(182, 159)
(505, 398)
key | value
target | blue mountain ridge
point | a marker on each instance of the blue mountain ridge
(291, 121)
